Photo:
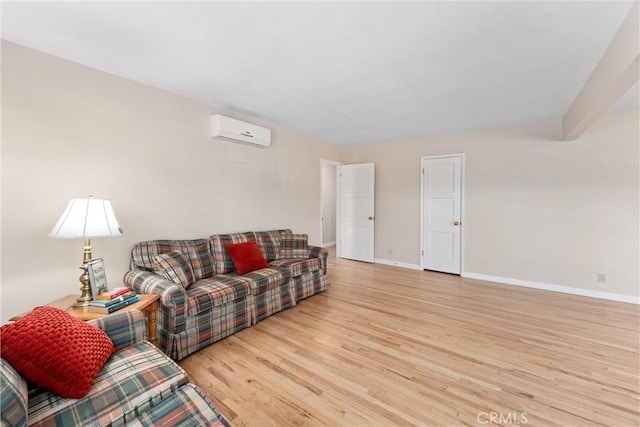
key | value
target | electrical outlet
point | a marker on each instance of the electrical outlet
(602, 278)
(389, 251)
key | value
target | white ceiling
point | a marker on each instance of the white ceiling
(344, 72)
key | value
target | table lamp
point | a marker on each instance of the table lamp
(86, 218)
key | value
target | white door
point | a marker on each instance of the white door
(357, 211)
(441, 213)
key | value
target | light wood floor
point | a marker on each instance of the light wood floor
(390, 346)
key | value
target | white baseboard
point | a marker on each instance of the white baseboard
(527, 284)
(328, 244)
(397, 264)
(554, 288)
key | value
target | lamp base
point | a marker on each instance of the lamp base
(86, 295)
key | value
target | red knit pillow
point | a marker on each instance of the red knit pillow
(246, 257)
(56, 351)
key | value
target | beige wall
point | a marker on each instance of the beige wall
(71, 131)
(537, 208)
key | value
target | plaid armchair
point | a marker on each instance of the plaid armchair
(138, 385)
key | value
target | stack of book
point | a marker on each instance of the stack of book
(108, 302)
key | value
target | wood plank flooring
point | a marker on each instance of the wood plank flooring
(390, 346)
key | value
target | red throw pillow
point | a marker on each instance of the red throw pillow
(56, 351)
(246, 257)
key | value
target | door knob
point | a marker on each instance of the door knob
(456, 223)
(370, 218)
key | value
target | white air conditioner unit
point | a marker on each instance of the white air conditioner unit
(238, 131)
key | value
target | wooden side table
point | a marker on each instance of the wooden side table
(148, 304)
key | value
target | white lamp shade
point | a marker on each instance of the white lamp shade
(87, 218)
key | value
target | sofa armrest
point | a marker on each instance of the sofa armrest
(124, 329)
(321, 253)
(173, 298)
(13, 389)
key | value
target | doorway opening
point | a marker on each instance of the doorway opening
(329, 204)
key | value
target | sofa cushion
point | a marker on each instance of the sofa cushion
(262, 280)
(215, 291)
(298, 267)
(131, 378)
(294, 246)
(188, 406)
(222, 260)
(174, 266)
(246, 257)
(269, 243)
(196, 250)
(56, 351)
(13, 397)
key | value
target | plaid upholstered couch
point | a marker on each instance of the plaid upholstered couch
(221, 302)
(137, 386)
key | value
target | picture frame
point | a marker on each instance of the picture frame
(97, 277)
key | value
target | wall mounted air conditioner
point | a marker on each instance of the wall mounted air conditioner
(238, 131)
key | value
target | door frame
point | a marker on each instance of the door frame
(462, 206)
(337, 194)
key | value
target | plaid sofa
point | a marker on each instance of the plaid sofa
(221, 302)
(137, 386)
